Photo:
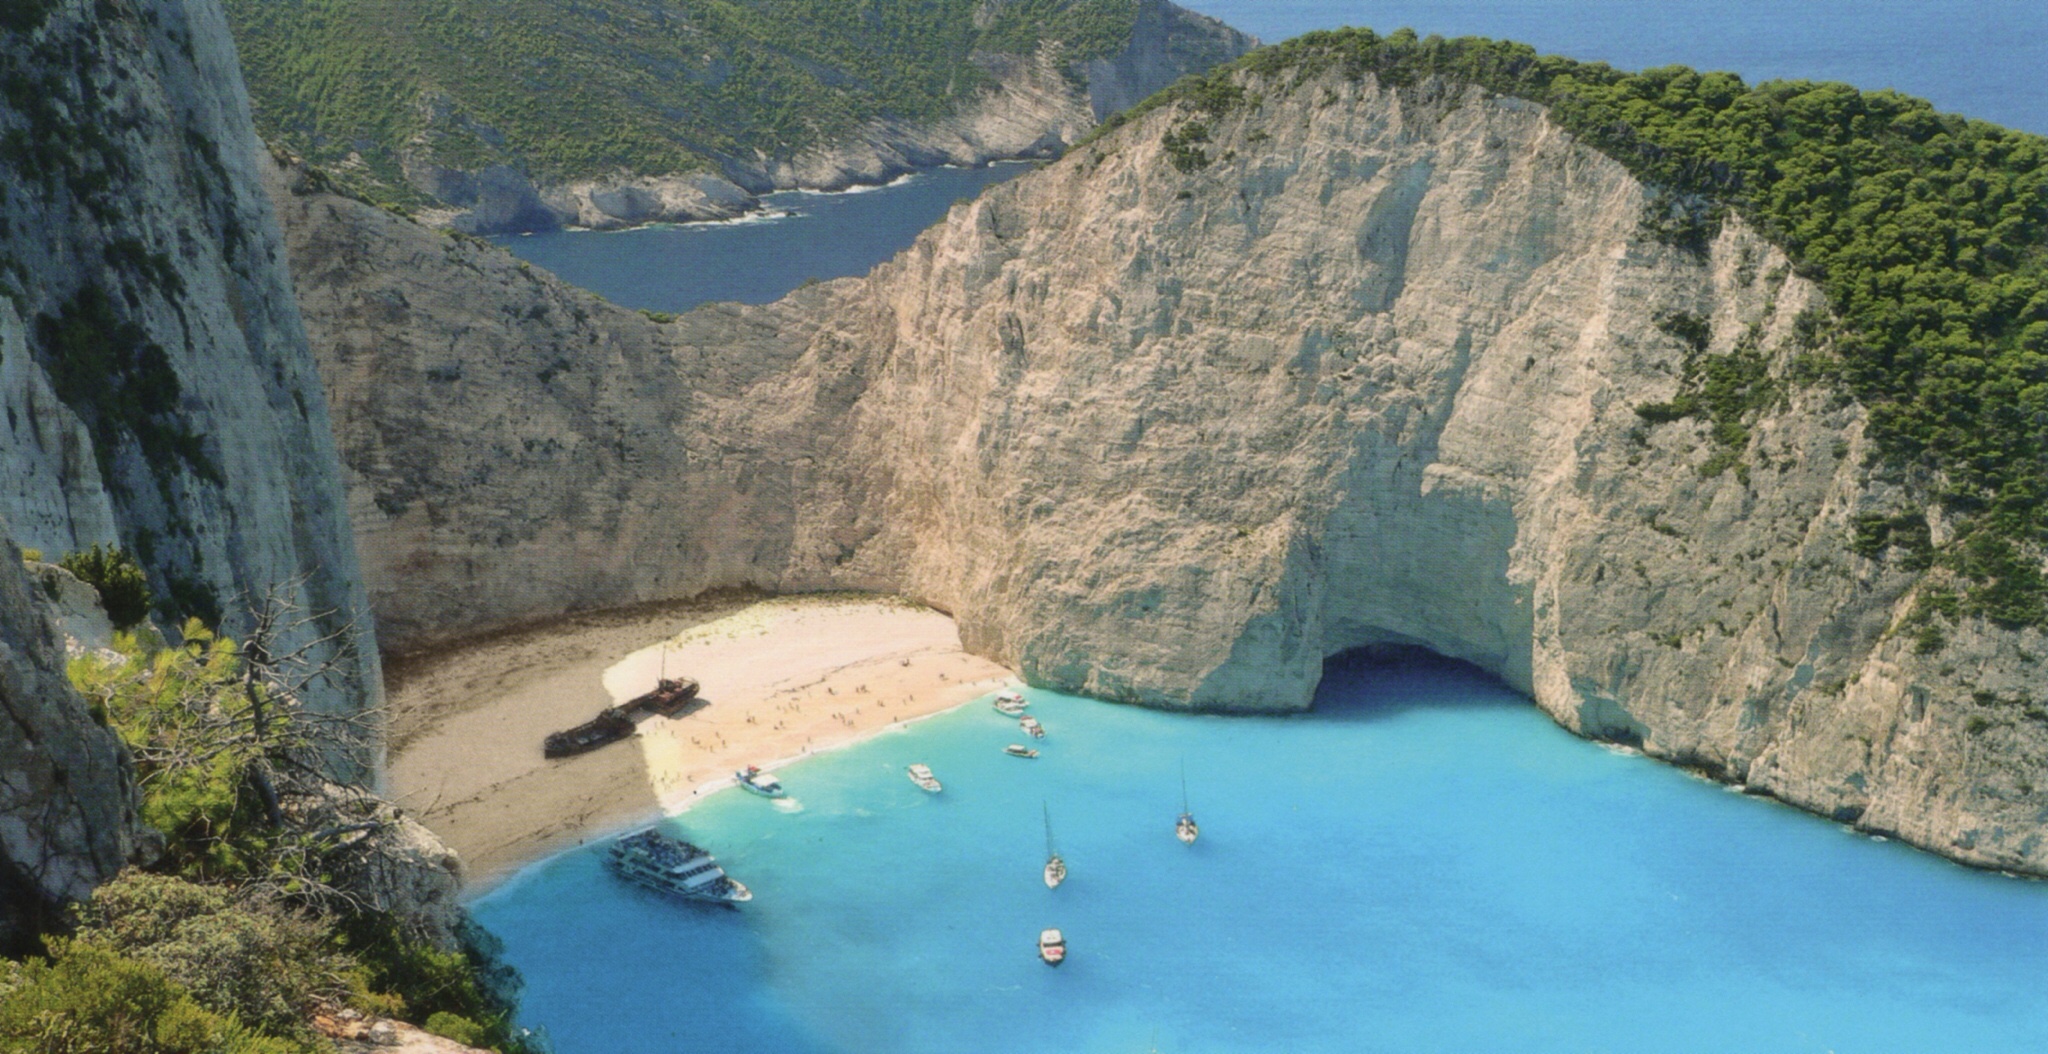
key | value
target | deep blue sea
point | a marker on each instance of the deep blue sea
(1425, 863)
(800, 236)
(1984, 58)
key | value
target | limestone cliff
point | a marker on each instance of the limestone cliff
(67, 801)
(1181, 416)
(153, 368)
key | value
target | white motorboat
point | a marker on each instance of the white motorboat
(1011, 702)
(922, 776)
(762, 783)
(1019, 750)
(1031, 725)
(1052, 947)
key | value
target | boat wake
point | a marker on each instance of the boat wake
(788, 805)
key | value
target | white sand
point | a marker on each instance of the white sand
(781, 678)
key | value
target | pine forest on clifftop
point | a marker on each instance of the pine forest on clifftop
(649, 87)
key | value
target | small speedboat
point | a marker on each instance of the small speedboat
(1011, 702)
(762, 783)
(922, 776)
(1031, 725)
(1019, 750)
(1052, 947)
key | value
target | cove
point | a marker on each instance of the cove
(1423, 863)
(799, 236)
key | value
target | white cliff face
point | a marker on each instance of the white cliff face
(153, 369)
(1367, 376)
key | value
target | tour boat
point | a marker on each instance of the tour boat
(1184, 828)
(668, 865)
(922, 776)
(1031, 725)
(1019, 750)
(762, 783)
(1052, 947)
(1010, 702)
(1055, 868)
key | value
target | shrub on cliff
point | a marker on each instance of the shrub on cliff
(89, 999)
(123, 588)
(240, 955)
(255, 925)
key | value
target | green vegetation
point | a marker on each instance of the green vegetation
(247, 926)
(88, 999)
(618, 85)
(1927, 231)
(123, 589)
(1727, 391)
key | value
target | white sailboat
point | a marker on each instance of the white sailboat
(1055, 868)
(1184, 828)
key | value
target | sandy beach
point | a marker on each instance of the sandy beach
(781, 678)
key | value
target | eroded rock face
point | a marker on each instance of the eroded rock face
(1365, 370)
(157, 388)
(67, 798)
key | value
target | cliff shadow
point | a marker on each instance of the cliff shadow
(1379, 681)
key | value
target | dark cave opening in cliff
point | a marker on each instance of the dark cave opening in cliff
(1380, 680)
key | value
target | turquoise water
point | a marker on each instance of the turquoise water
(1425, 863)
(800, 236)
(1983, 58)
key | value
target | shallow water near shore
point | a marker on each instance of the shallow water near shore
(1426, 863)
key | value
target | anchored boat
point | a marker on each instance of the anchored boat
(672, 866)
(922, 776)
(1055, 868)
(1011, 702)
(1031, 725)
(762, 783)
(1052, 947)
(1019, 750)
(1184, 828)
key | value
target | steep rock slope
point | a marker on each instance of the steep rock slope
(517, 115)
(1208, 401)
(153, 368)
(67, 801)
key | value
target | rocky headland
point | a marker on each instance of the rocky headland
(1176, 419)
(680, 113)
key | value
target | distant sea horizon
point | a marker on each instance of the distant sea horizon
(1980, 58)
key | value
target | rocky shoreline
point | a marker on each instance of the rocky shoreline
(1037, 107)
